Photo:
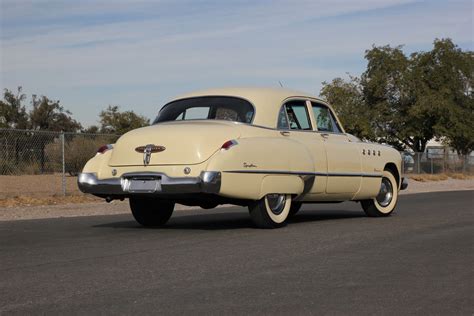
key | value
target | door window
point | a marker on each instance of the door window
(324, 119)
(294, 115)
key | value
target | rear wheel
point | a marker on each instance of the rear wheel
(386, 200)
(271, 211)
(151, 212)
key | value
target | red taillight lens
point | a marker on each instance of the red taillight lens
(102, 149)
(229, 144)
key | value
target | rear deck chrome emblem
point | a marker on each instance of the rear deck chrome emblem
(148, 150)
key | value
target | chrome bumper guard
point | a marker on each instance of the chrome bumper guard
(207, 182)
(404, 184)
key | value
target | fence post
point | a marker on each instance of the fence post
(64, 165)
(464, 164)
(418, 162)
(403, 165)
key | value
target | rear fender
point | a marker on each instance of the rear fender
(98, 163)
(261, 165)
(282, 184)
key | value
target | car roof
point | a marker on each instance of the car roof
(267, 101)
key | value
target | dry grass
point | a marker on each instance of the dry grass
(439, 177)
(461, 176)
(36, 185)
(28, 190)
(48, 200)
(428, 177)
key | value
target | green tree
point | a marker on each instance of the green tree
(116, 122)
(93, 129)
(407, 100)
(50, 115)
(390, 96)
(12, 111)
(348, 102)
(445, 78)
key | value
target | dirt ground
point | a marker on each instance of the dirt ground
(439, 186)
(36, 185)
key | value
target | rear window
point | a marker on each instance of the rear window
(207, 108)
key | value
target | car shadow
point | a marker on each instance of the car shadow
(322, 215)
(232, 220)
(235, 220)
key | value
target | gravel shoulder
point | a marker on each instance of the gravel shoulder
(438, 186)
(121, 207)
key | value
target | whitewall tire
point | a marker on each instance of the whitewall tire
(386, 200)
(271, 211)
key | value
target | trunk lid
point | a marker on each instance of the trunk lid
(184, 142)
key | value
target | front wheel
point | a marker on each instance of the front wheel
(271, 211)
(151, 212)
(386, 200)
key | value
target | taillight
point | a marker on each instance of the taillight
(102, 149)
(229, 144)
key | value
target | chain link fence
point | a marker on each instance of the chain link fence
(46, 163)
(437, 161)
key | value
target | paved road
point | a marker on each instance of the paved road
(329, 260)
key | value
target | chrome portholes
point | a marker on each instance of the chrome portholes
(369, 152)
(276, 203)
(386, 193)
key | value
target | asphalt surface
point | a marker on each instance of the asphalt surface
(330, 259)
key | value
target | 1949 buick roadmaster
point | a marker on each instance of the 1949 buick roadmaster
(269, 149)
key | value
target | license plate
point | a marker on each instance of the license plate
(144, 186)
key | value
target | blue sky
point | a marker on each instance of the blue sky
(139, 54)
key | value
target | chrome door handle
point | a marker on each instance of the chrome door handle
(285, 133)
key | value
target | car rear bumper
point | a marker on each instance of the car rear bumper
(207, 182)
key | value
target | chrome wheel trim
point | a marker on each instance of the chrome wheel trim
(276, 203)
(385, 196)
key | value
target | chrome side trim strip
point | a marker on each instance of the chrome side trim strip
(304, 173)
(298, 173)
(363, 175)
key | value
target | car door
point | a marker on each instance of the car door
(294, 122)
(343, 158)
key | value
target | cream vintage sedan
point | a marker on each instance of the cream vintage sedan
(269, 149)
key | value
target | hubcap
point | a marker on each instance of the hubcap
(276, 202)
(386, 193)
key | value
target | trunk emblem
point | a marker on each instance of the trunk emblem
(148, 150)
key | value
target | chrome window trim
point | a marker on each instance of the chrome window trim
(326, 104)
(334, 118)
(287, 120)
(285, 101)
(204, 96)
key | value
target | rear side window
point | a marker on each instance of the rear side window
(207, 108)
(294, 115)
(324, 119)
